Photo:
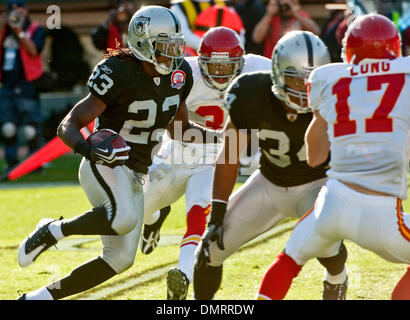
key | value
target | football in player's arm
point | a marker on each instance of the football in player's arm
(133, 92)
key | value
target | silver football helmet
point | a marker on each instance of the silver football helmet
(295, 56)
(153, 31)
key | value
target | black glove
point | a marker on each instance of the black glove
(214, 232)
(103, 153)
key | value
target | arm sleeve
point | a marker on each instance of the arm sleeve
(105, 82)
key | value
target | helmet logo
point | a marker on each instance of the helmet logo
(139, 25)
(177, 79)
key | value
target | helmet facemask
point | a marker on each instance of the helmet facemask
(219, 70)
(154, 36)
(290, 86)
(172, 47)
(295, 56)
(296, 89)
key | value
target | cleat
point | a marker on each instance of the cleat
(334, 291)
(38, 241)
(177, 285)
(22, 297)
(151, 234)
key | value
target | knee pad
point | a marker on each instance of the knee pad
(29, 131)
(119, 258)
(9, 130)
(124, 220)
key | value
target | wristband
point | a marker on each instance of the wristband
(218, 210)
(82, 147)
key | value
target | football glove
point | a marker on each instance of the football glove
(103, 153)
(214, 232)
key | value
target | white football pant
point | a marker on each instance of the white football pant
(256, 207)
(375, 223)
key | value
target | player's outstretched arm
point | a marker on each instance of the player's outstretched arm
(225, 174)
(317, 141)
(227, 164)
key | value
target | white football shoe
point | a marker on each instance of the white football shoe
(38, 241)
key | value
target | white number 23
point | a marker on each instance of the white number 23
(102, 87)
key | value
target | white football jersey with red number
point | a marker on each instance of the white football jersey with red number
(367, 109)
(205, 104)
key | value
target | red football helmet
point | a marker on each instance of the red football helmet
(220, 57)
(371, 36)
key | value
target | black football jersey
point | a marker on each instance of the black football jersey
(139, 106)
(252, 105)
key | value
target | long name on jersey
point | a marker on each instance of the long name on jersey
(367, 110)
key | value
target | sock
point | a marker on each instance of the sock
(82, 278)
(207, 280)
(187, 260)
(336, 279)
(278, 278)
(55, 229)
(39, 294)
(196, 223)
(90, 223)
(402, 289)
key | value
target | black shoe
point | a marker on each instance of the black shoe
(38, 241)
(151, 234)
(177, 285)
(334, 291)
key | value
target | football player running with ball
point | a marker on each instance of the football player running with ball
(362, 116)
(274, 103)
(134, 92)
(181, 169)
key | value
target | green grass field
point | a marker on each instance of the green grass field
(24, 202)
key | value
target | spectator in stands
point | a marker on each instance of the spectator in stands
(328, 33)
(115, 27)
(187, 11)
(281, 17)
(251, 12)
(21, 43)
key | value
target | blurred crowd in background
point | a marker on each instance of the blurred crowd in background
(39, 64)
